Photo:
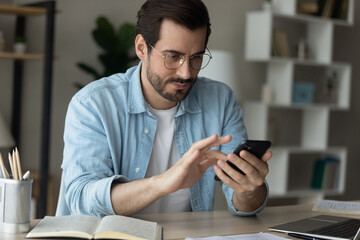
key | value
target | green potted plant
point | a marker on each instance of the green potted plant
(20, 45)
(117, 46)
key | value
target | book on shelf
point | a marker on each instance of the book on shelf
(280, 46)
(310, 8)
(90, 227)
(337, 9)
(328, 8)
(325, 173)
(344, 9)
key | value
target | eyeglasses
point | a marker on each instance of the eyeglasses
(173, 61)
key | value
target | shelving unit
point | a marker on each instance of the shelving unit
(47, 9)
(299, 131)
(14, 56)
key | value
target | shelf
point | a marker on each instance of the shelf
(305, 62)
(47, 9)
(332, 107)
(289, 9)
(301, 93)
(313, 19)
(26, 56)
(305, 193)
(292, 169)
(22, 11)
(299, 149)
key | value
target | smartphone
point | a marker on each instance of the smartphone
(256, 147)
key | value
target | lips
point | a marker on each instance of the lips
(180, 85)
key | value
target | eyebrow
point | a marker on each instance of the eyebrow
(174, 51)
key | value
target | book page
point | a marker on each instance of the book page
(80, 226)
(126, 228)
(333, 206)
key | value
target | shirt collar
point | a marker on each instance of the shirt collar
(137, 103)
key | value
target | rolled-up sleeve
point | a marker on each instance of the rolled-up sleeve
(87, 164)
(235, 127)
(229, 195)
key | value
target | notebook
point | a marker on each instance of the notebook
(332, 206)
(322, 227)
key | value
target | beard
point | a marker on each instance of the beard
(159, 85)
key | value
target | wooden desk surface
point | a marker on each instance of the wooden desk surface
(202, 224)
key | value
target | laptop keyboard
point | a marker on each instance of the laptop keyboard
(345, 229)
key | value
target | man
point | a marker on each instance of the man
(145, 141)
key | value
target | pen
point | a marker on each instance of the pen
(26, 175)
(301, 236)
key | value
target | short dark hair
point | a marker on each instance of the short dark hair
(192, 14)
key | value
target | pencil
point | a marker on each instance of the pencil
(3, 169)
(11, 165)
(18, 163)
(15, 172)
(13, 157)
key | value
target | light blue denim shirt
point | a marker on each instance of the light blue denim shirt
(109, 134)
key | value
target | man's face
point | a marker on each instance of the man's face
(175, 40)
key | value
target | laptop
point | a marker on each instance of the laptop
(322, 227)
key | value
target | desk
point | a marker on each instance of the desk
(202, 224)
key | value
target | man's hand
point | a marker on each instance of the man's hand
(129, 198)
(249, 189)
(191, 167)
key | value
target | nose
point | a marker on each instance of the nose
(184, 71)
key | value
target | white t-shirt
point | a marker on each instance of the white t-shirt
(164, 155)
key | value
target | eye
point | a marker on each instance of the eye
(173, 56)
(198, 56)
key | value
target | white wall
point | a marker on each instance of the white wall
(5, 65)
(73, 43)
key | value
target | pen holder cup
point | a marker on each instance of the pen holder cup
(15, 202)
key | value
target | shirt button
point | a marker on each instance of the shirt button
(146, 131)
(137, 170)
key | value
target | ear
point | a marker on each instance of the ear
(140, 47)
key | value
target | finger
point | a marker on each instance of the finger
(216, 154)
(221, 140)
(210, 142)
(223, 177)
(203, 142)
(191, 158)
(211, 158)
(218, 142)
(267, 156)
(205, 164)
(255, 172)
(200, 144)
(238, 181)
(250, 163)
(231, 172)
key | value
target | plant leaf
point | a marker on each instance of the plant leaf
(126, 37)
(117, 48)
(90, 70)
(104, 34)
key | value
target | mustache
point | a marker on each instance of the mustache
(180, 80)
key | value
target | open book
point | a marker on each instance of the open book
(90, 227)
